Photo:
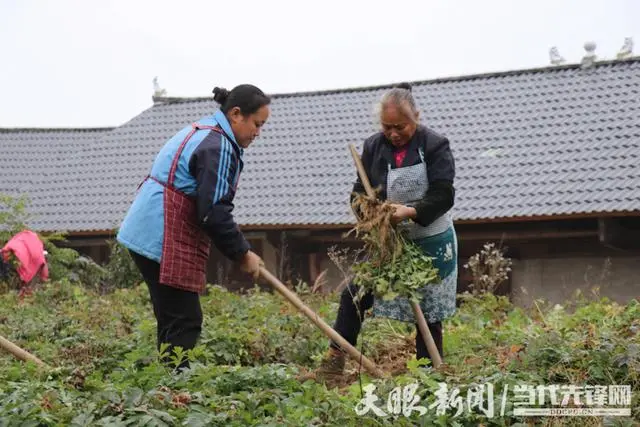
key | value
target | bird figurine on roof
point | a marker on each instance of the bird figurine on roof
(626, 50)
(555, 57)
(158, 92)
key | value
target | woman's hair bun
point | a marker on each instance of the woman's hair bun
(220, 95)
(405, 86)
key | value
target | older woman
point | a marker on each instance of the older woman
(415, 170)
(185, 204)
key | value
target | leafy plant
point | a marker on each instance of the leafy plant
(67, 263)
(121, 271)
(405, 275)
(394, 266)
(244, 370)
(13, 216)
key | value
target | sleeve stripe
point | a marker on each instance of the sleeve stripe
(222, 171)
(227, 166)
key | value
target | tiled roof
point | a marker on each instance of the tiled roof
(530, 143)
(40, 163)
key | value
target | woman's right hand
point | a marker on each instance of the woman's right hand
(402, 212)
(251, 264)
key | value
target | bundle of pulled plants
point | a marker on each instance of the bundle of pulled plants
(393, 266)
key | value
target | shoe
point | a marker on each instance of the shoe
(331, 367)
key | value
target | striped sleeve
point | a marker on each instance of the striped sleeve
(214, 167)
(223, 158)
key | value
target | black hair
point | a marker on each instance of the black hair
(405, 86)
(246, 97)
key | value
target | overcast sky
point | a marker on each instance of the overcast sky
(86, 63)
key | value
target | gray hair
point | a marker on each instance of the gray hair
(401, 97)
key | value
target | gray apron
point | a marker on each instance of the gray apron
(407, 185)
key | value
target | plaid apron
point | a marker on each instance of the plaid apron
(185, 246)
(407, 186)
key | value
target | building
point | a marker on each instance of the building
(547, 164)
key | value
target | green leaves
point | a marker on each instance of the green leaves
(405, 275)
(253, 346)
(13, 216)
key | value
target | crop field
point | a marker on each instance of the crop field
(104, 369)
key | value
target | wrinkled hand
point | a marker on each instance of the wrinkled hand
(251, 264)
(402, 212)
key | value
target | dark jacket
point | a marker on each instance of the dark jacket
(216, 164)
(378, 154)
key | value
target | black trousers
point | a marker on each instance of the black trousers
(178, 312)
(5, 269)
(350, 318)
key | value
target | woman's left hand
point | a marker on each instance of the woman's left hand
(402, 212)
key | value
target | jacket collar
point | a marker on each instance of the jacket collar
(222, 121)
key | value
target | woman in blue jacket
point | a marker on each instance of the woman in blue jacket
(185, 204)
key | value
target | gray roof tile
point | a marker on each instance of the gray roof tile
(41, 163)
(540, 142)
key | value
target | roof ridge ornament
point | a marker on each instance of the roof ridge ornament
(626, 51)
(158, 92)
(589, 59)
(555, 57)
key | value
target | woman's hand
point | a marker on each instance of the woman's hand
(402, 212)
(251, 264)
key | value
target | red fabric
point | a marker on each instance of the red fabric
(29, 250)
(185, 246)
(400, 155)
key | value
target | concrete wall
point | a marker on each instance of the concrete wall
(556, 279)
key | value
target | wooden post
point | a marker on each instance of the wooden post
(417, 311)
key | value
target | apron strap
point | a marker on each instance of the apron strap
(174, 165)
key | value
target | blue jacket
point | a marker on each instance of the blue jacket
(208, 168)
